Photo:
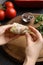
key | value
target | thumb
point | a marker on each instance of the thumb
(3, 28)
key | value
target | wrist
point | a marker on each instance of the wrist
(29, 61)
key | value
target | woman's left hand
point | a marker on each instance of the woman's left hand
(33, 47)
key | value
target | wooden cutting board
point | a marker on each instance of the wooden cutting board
(16, 48)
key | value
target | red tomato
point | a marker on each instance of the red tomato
(10, 12)
(9, 4)
(2, 14)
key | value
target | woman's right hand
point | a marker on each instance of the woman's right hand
(6, 35)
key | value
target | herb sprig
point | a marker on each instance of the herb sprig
(38, 19)
(40, 29)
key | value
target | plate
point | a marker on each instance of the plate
(16, 48)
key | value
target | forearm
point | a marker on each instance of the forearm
(29, 61)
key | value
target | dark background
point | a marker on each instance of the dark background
(5, 59)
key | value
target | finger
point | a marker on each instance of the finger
(4, 28)
(36, 32)
(28, 37)
(33, 37)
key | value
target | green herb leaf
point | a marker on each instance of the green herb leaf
(38, 19)
(40, 29)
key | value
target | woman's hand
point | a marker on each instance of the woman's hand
(6, 35)
(33, 47)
